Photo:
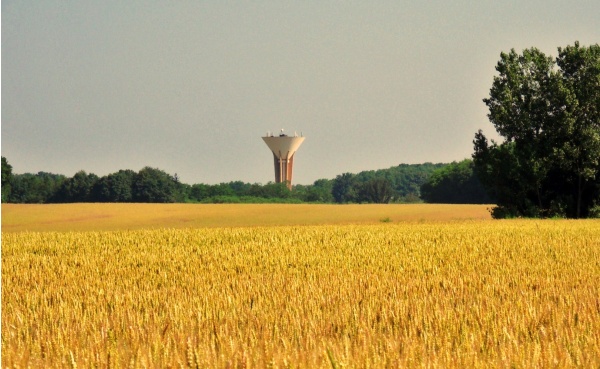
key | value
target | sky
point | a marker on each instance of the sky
(189, 87)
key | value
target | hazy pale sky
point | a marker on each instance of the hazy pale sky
(190, 87)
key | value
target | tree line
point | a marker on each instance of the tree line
(400, 184)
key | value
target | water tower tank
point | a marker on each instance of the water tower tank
(283, 147)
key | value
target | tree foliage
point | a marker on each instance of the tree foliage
(398, 184)
(153, 185)
(37, 188)
(344, 189)
(115, 187)
(455, 184)
(6, 179)
(548, 113)
(77, 188)
(376, 190)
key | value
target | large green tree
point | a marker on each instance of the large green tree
(578, 153)
(547, 112)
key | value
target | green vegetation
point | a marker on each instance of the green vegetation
(549, 162)
(455, 183)
(6, 179)
(397, 184)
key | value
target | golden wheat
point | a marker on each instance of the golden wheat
(114, 217)
(462, 294)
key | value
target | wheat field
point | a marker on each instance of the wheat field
(111, 217)
(461, 293)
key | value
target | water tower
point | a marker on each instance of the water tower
(283, 147)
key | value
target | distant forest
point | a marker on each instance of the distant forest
(405, 183)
